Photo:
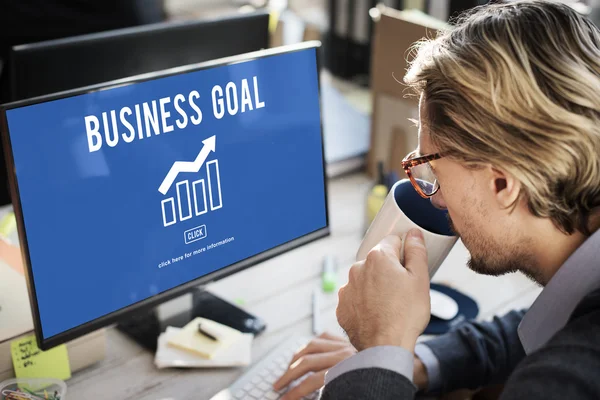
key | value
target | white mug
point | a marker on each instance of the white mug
(403, 210)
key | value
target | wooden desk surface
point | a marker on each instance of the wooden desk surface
(279, 291)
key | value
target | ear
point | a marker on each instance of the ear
(504, 186)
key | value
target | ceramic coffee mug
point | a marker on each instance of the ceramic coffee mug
(403, 210)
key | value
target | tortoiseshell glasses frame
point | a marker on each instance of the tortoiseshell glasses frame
(410, 161)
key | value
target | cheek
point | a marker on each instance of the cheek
(454, 209)
(438, 200)
(462, 213)
(456, 221)
(447, 196)
(456, 195)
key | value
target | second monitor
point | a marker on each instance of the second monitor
(64, 64)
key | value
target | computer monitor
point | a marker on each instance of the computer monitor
(133, 192)
(63, 64)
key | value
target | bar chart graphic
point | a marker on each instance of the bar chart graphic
(192, 197)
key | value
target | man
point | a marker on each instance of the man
(510, 125)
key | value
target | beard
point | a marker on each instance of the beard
(488, 257)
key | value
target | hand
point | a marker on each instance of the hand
(420, 377)
(383, 302)
(317, 357)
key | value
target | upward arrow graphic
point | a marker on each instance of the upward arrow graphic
(187, 166)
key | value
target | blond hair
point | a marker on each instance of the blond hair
(517, 86)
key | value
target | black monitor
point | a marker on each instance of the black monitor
(64, 64)
(130, 193)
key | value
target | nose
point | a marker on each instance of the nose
(438, 200)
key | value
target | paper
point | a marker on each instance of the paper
(189, 339)
(10, 252)
(11, 255)
(238, 354)
(273, 20)
(8, 224)
(30, 362)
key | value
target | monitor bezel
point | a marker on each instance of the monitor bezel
(153, 301)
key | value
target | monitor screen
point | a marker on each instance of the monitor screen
(129, 192)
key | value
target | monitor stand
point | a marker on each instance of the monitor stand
(145, 327)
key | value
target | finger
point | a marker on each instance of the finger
(318, 345)
(330, 336)
(391, 244)
(354, 274)
(415, 254)
(309, 363)
(306, 387)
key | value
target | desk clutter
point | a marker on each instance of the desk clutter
(203, 343)
(39, 374)
(33, 389)
(31, 362)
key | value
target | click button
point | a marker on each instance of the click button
(194, 234)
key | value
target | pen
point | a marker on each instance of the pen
(316, 323)
(204, 332)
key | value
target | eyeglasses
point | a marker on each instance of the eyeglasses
(421, 174)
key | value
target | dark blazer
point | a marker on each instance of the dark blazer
(480, 354)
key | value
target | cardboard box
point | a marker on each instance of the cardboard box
(289, 27)
(394, 34)
(275, 31)
(311, 32)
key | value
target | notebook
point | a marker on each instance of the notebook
(237, 354)
(189, 339)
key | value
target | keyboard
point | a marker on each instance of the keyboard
(257, 382)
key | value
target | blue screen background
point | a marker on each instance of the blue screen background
(94, 222)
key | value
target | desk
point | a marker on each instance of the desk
(281, 294)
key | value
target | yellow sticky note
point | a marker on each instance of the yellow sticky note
(31, 362)
(8, 224)
(273, 21)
